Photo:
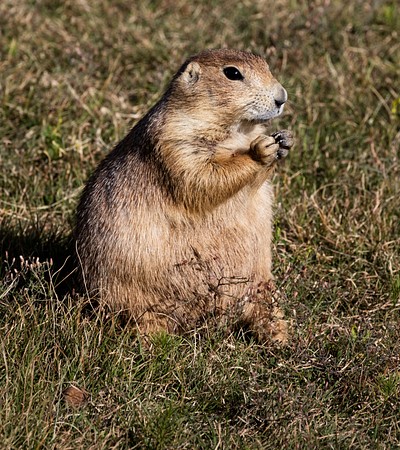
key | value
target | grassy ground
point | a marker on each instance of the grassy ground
(74, 76)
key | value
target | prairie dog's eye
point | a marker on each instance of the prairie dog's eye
(232, 73)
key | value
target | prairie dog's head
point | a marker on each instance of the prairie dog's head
(230, 85)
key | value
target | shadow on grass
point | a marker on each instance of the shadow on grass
(21, 246)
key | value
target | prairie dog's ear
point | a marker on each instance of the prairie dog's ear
(191, 73)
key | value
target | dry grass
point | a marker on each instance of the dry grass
(75, 75)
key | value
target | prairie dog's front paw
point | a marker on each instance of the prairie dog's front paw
(268, 149)
(264, 149)
(284, 139)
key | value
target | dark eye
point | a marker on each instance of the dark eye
(232, 73)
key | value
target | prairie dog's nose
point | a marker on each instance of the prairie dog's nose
(280, 96)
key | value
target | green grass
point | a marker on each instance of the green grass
(74, 77)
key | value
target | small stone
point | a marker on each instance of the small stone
(75, 396)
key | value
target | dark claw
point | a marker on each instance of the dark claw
(282, 153)
(284, 138)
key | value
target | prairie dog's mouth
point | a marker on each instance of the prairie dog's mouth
(264, 117)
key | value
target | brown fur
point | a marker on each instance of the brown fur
(175, 224)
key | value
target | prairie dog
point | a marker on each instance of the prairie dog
(175, 223)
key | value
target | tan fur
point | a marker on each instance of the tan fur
(175, 224)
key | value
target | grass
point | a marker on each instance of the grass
(75, 76)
